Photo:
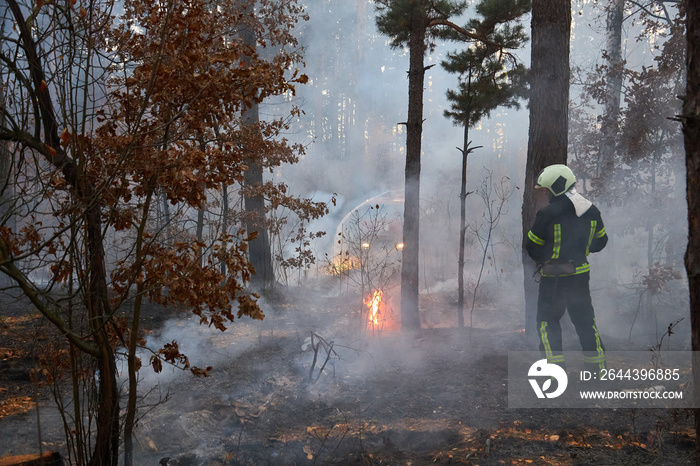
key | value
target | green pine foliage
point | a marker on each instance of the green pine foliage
(395, 17)
(490, 76)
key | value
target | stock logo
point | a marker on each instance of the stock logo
(543, 369)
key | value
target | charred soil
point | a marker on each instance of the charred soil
(438, 397)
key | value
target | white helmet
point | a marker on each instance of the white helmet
(557, 178)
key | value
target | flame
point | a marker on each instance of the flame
(373, 302)
(342, 264)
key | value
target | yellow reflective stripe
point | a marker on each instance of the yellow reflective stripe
(545, 341)
(599, 347)
(594, 223)
(601, 233)
(594, 358)
(535, 239)
(556, 359)
(557, 241)
(579, 270)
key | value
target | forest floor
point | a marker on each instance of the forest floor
(439, 397)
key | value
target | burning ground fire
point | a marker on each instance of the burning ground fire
(373, 301)
(379, 315)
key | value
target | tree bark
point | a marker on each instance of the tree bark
(613, 90)
(259, 252)
(132, 367)
(7, 218)
(259, 247)
(106, 449)
(691, 131)
(410, 316)
(549, 104)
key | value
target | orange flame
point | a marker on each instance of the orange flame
(373, 301)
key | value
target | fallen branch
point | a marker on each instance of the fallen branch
(318, 343)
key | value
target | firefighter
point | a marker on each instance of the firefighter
(564, 233)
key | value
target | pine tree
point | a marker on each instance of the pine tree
(488, 79)
(416, 23)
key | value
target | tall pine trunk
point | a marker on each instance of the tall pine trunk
(410, 316)
(462, 225)
(613, 89)
(691, 132)
(610, 124)
(549, 104)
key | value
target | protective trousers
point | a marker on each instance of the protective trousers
(556, 296)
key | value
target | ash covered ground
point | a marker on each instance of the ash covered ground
(439, 397)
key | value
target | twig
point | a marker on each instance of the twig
(316, 346)
(639, 306)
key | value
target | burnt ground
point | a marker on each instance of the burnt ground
(439, 397)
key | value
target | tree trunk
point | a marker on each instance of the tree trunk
(651, 224)
(259, 248)
(691, 132)
(613, 90)
(132, 369)
(7, 218)
(259, 252)
(163, 196)
(106, 449)
(5, 156)
(166, 211)
(549, 103)
(224, 222)
(410, 317)
(106, 446)
(463, 207)
(462, 226)
(610, 124)
(200, 229)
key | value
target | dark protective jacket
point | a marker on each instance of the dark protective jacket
(559, 234)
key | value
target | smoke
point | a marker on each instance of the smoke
(203, 345)
(355, 103)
